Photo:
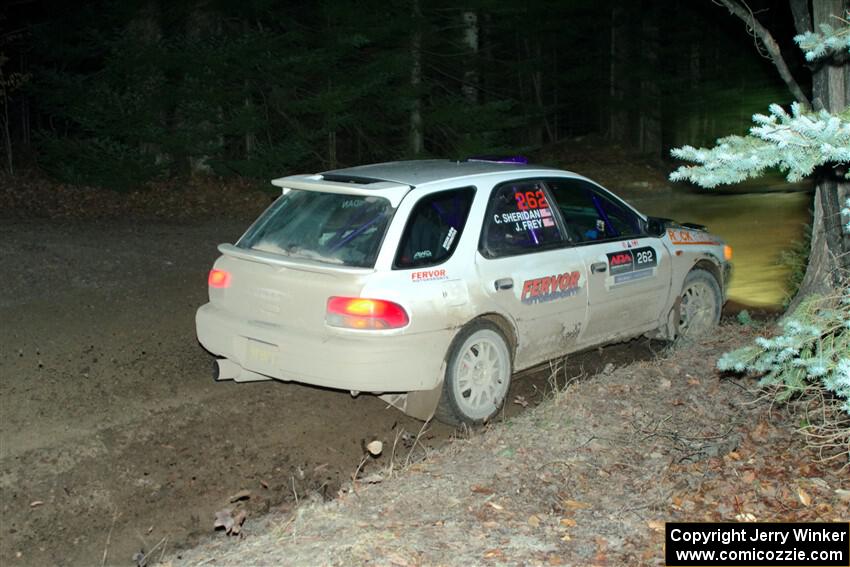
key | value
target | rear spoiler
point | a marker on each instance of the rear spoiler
(393, 192)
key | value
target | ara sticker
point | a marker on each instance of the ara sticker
(681, 237)
(630, 265)
(428, 275)
(550, 288)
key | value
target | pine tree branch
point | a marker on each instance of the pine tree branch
(796, 143)
(770, 44)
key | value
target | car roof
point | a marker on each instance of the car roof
(419, 172)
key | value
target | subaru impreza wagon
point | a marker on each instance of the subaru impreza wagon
(431, 282)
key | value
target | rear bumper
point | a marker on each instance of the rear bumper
(359, 361)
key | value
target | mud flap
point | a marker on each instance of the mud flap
(420, 404)
(674, 318)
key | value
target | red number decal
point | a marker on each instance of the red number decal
(541, 200)
(520, 202)
(531, 200)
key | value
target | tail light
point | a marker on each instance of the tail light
(727, 252)
(219, 279)
(360, 313)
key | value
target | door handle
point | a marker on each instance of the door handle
(598, 267)
(503, 283)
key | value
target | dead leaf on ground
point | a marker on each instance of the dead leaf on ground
(231, 525)
(375, 448)
(238, 520)
(495, 506)
(493, 553)
(373, 478)
(843, 494)
(534, 521)
(478, 489)
(223, 519)
(36, 503)
(264, 484)
(241, 495)
(804, 497)
(521, 401)
(655, 525)
(574, 504)
(568, 522)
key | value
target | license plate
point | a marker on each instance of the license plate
(260, 355)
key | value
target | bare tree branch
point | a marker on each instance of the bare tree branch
(760, 32)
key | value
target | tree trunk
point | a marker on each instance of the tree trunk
(7, 138)
(470, 41)
(146, 28)
(417, 135)
(649, 139)
(829, 258)
(203, 23)
(618, 54)
(695, 132)
(250, 138)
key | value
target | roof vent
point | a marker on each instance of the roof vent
(499, 159)
(358, 180)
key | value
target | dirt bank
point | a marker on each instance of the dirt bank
(587, 479)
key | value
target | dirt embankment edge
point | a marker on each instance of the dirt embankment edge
(588, 477)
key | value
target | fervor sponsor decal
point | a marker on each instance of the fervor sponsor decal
(550, 288)
(632, 264)
(428, 275)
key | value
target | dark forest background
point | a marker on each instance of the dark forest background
(118, 93)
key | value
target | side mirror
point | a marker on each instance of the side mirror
(656, 226)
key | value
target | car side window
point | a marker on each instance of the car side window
(589, 215)
(519, 220)
(434, 228)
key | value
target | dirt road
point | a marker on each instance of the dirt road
(114, 437)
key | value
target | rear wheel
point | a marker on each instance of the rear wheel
(699, 310)
(478, 373)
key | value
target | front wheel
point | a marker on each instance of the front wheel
(699, 310)
(478, 373)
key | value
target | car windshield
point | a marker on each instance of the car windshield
(325, 227)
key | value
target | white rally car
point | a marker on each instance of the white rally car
(431, 282)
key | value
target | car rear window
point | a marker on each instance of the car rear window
(323, 227)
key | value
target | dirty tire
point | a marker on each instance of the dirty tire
(699, 312)
(478, 374)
